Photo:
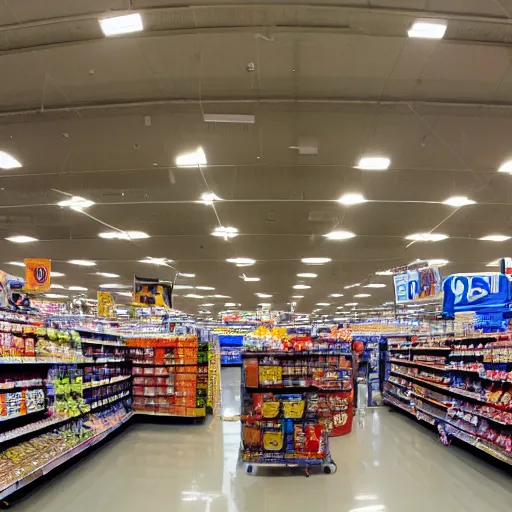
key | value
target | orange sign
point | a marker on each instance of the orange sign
(37, 274)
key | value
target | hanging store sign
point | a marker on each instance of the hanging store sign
(106, 305)
(416, 284)
(37, 274)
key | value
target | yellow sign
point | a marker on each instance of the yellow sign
(106, 305)
(37, 274)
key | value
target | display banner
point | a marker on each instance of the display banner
(416, 284)
(106, 305)
(37, 274)
(152, 292)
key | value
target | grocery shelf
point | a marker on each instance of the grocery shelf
(249, 353)
(92, 385)
(8, 418)
(167, 415)
(61, 459)
(417, 349)
(415, 363)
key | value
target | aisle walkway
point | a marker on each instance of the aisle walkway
(388, 463)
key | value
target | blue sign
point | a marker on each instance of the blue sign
(486, 292)
(419, 284)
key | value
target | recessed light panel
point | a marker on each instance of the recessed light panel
(263, 295)
(336, 295)
(225, 232)
(205, 288)
(83, 263)
(107, 274)
(427, 237)
(339, 235)
(77, 288)
(192, 159)
(55, 296)
(118, 25)
(362, 295)
(56, 274)
(428, 29)
(155, 261)
(458, 201)
(16, 263)
(114, 286)
(241, 261)
(375, 285)
(352, 198)
(8, 162)
(301, 287)
(495, 238)
(209, 198)
(374, 163)
(384, 273)
(181, 274)
(315, 261)
(76, 203)
(355, 285)
(123, 235)
(250, 279)
(21, 239)
(307, 275)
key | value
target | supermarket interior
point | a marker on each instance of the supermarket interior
(256, 256)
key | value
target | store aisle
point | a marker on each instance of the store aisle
(388, 463)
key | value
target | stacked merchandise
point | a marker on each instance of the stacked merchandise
(231, 340)
(170, 375)
(54, 401)
(461, 385)
(295, 391)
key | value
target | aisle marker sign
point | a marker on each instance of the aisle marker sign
(37, 274)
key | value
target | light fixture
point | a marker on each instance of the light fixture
(220, 296)
(308, 275)
(208, 198)
(106, 274)
(427, 29)
(361, 295)
(374, 163)
(336, 295)
(225, 232)
(181, 274)
(506, 167)
(192, 159)
(263, 295)
(114, 286)
(77, 288)
(375, 285)
(384, 273)
(323, 303)
(123, 235)
(297, 296)
(207, 305)
(229, 304)
(193, 296)
(495, 238)
(249, 279)
(155, 261)
(427, 237)
(244, 262)
(351, 303)
(56, 274)
(340, 307)
(437, 263)
(301, 287)
(7, 161)
(183, 287)
(205, 288)
(16, 263)
(265, 304)
(55, 286)
(458, 201)
(339, 235)
(55, 296)
(229, 118)
(83, 263)
(495, 263)
(118, 25)
(355, 285)
(76, 203)
(352, 198)
(21, 239)
(125, 294)
(315, 261)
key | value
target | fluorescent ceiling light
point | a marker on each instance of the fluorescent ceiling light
(506, 167)
(16, 263)
(250, 279)
(76, 203)
(315, 261)
(297, 296)
(336, 295)
(375, 285)
(83, 263)
(427, 29)
(107, 274)
(8, 162)
(340, 307)
(351, 303)
(458, 201)
(362, 295)
(495, 238)
(21, 239)
(263, 295)
(229, 118)
(155, 261)
(308, 275)
(192, 159)
(114, 286)
(229, 304)
(205, 288)
(125, 294)
(55, 296)
(121, 24)
(55, 286)
(339, 235)
(225, 232)
(427, 237)
(123, 235)
(77, 288)
(495, 263)
(355, 285)
(265, 304)
(384, 273)
(245, 262)
(301, 287)
(323, 303)
(354, 198)
(438, 263)
(194, 296)
(220, 296)
(374, 163)
(181, 274)
(56, 274)
(207, 305)
(209, 198)
(183, 287)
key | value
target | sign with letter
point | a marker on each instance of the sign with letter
(37, 274)
(106, 305)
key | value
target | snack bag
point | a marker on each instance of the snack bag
(273, 441)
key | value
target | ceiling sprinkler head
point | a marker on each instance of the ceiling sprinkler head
(251, 67)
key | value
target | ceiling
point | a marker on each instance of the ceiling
(105, 118)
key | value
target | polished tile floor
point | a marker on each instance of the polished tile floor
(388, 463)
